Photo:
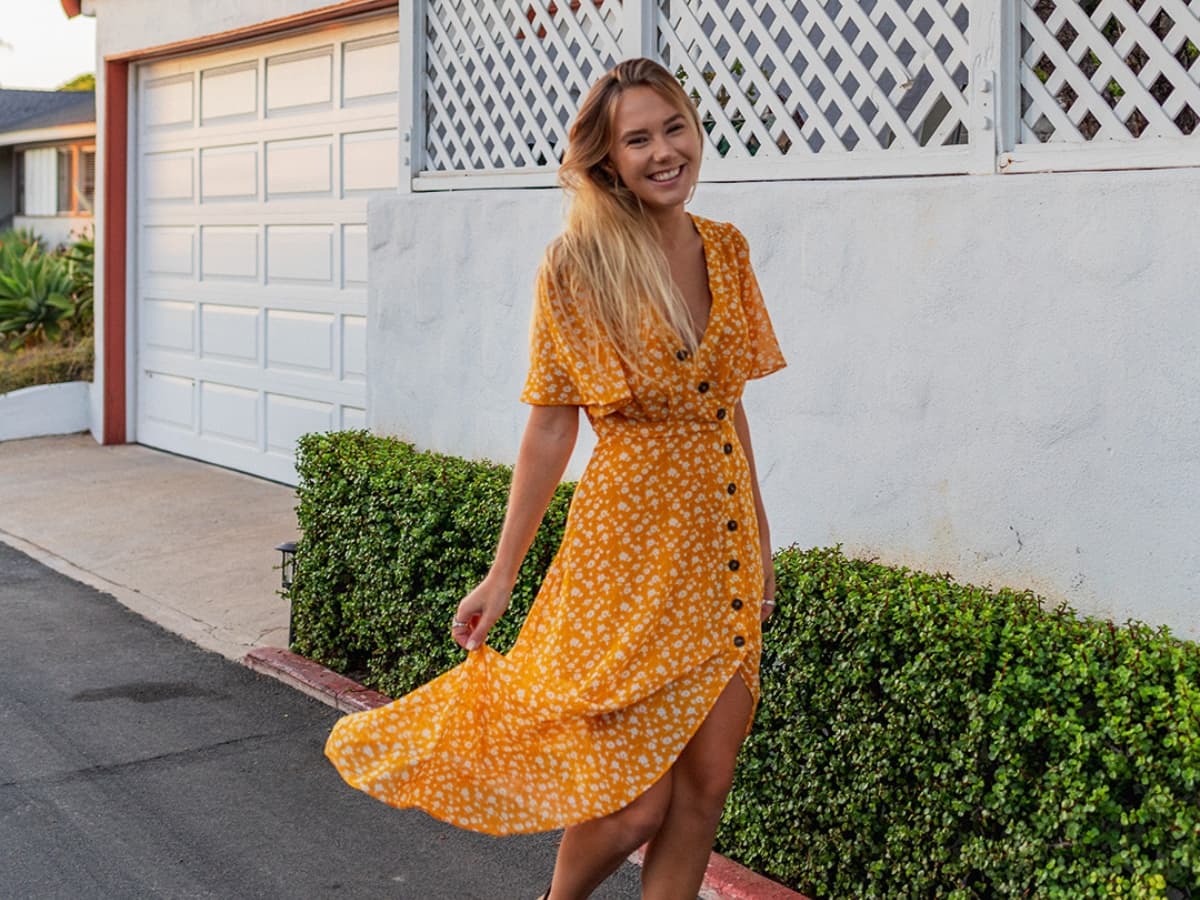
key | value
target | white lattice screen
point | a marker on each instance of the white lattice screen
(792, 88)
(1100, 69)
(832, 77)
(504, 77)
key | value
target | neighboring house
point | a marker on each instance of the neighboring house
(48, 162)
(974, 226)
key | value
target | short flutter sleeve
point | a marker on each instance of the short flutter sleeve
(765, 355)
(569, 363)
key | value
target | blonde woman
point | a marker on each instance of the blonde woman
(619, 712)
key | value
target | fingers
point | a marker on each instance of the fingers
(482, 624)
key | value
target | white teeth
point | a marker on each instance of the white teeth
(666, 176)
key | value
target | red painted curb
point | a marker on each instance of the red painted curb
(724, 879)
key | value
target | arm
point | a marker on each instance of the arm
(741, 425)
(546, 446)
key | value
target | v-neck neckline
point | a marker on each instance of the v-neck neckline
(705, 247)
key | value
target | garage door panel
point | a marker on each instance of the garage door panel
(169, 324)
(255, 166)
(229, 173)
(369, 160)
(230, 413)
(169, 399)
(168, 177)
(300, 81)
(228, 252)
(229, 333)
(354, 348)
(371, 68)
(228, 92)
(354, 255)
(168, 102)
(302, 342)
(300, 253)
(289, 417)
(300, 167)
(168, 250)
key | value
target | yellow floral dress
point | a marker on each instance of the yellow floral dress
(650, 607)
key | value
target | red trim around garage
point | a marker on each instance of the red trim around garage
(116, 145)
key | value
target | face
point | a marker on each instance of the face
(655, 150)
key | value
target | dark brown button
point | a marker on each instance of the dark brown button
(734, 565)
(728, 448)
(731, 525)
(737, 603)
(702, 387)
(721, 413)
(739, 641)
(732, 488)
(681, 355)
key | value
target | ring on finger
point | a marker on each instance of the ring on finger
(456, 625)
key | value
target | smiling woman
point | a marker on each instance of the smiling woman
(619, 712)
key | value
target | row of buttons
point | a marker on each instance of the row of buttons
(731, 525)
(734, 565)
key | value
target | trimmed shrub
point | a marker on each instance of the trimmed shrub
(392, 539)
(916, 737)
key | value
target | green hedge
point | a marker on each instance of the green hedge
(916, 738)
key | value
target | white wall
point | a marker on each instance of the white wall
(56, 229)
(994, 376)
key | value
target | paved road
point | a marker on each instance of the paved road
(133, 764)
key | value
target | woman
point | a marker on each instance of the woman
(620, 710)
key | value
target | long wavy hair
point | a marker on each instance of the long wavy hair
(608, 258)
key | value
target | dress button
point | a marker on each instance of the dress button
(739, 641)
(681, 355)
(728, 448)
(721, 413)
(734, 565)
(731, 525)
(732, 488)
(702, 387)
(737, 603)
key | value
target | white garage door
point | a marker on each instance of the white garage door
(254, 167)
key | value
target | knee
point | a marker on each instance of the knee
(640, 821)
(704, 788)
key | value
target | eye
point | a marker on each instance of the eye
(676, 128)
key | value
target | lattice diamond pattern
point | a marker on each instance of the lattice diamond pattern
(778, 78)
(1109, 69)
(504, 78)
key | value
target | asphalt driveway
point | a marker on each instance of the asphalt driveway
(134, 764)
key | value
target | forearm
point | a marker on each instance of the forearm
(546, 447)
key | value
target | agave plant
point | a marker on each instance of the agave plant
(81, 266)
(35, 297)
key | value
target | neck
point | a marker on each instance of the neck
(674, 227)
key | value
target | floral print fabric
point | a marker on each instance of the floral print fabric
(650, 607)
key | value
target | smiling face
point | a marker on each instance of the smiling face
(655, 150)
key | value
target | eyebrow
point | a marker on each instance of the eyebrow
(633, 132)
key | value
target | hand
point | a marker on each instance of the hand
(479, 611)
(768, 587)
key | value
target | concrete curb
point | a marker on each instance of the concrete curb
(724, 880)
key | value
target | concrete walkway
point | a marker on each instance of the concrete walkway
(188, 545)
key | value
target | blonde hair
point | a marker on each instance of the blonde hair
(608, 258)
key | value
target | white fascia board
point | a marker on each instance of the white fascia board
(59, 133)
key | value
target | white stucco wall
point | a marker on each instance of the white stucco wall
(993, 376)
(124, 26)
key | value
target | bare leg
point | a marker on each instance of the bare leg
(701, 778)
(591, 851)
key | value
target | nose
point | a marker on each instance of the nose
(660, 148)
